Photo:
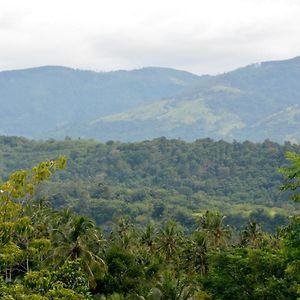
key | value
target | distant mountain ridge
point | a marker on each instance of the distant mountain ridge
(36, 101)
(256, 102)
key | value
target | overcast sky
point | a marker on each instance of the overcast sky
(194, 35)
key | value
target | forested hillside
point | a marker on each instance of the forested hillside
(49, 254)
(159, 179)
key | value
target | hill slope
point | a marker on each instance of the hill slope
(37, 101)
(160, 178)
(256, 102)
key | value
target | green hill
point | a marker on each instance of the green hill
(161, 178)
(253, 103)
(35, 102)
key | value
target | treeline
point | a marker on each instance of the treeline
(55, 254)
(161, 179)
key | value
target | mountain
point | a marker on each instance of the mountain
(256, 102)
(34, 102)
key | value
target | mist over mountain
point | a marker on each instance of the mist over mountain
(256, 102)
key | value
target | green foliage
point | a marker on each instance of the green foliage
(248, 274)
(217, 234)
(72, 275)
(160, 179)
(125, 275)
(292, 175)
(48, 254)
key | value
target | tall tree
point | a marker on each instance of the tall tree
(218, 234)
(80, 238)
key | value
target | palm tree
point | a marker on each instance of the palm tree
(251, 235)
(124, 234)
(195, 253)
(218, 234)
(173, 288)
(169, 239)
(82, 240)
(149, 237)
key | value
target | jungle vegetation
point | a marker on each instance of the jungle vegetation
(153, 181)
(49, 252)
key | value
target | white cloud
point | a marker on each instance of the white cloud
(196, 35)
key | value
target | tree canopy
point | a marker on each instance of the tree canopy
(48, 253)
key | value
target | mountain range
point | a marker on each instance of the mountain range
(257, 102)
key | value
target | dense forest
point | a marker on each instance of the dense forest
(160, 179)
(47, 253)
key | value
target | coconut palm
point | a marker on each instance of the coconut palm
(218, 234)
(124, 234)
(251, 235)
(195, 253)
(148, 237)
(80, 239)
(170, 287)
(170, 239)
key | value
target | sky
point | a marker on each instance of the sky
(203, 37)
